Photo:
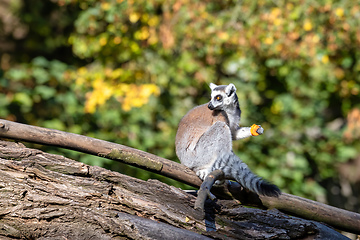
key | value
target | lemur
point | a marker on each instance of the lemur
(204, 140)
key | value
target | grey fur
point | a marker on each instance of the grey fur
(204, 140)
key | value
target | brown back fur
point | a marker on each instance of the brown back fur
(196, 122)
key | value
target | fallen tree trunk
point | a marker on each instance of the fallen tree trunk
(338, 218)
(99, 148)
(46, 196)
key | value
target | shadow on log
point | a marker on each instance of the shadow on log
(45, 196)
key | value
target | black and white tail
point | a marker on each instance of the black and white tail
(237, 170)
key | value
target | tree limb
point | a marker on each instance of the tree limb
(338, 218)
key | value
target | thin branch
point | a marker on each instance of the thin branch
(301, 207)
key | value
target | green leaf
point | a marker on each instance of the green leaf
(54, 124)
(41, 75)
(45, 92)
(23, 99)
(274, 62)
(40, 62)
(347, 62)
(17, 74)
(347, 152)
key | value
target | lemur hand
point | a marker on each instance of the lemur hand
(256, 130)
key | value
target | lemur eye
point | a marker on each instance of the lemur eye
(218, 97)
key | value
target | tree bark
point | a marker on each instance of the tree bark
(338, 218)
(99, 148)
(46, 196)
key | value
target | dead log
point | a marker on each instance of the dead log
(46, 196)
(338, 218)
(97, 147)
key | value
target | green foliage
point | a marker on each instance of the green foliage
(127, 71)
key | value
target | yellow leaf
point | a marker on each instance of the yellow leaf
(278, 21)
(223, 36)
(325, 59)
(339, 12)
(137, 102)
(105, 6)
(316, 38)
(101, 93)
(289, 6)
(142, 34)
(153, 21)
(145, 33)
(102, 41)
(275, 12)
(187, 219)
(132, 95)
(82, 70)
(90, 104)
(153, 37)
(126, 106)
(117, 73)
(80, 81)
(269, 40)
(134, 17)
(307, 25)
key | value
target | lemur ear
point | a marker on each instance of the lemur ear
(212, 86)
(230, 89)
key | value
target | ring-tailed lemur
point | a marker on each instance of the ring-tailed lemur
(204, 140)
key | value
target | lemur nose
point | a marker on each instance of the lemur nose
(210, 106)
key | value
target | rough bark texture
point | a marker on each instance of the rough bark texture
(97, 147)
(294, 205)
(45, 196)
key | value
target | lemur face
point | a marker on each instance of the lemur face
(221, 96)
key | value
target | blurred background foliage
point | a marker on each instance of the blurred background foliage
(127, 71)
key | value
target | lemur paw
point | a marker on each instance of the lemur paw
(202, 174)
(256, 130)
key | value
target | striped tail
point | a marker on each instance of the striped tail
(236, 169)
